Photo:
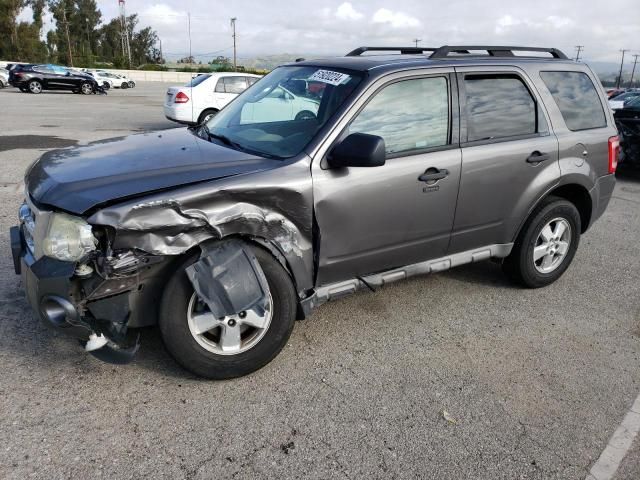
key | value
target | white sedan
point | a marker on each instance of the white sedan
(204, 96)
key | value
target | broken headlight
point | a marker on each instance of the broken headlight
(68, 238)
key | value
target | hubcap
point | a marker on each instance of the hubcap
(552, 245)
(229, 335)
(86, 88)
(35, 87)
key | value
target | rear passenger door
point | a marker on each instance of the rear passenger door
(509, 156)
(229, 88)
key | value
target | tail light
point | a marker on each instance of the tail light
(182, 97)
(614, 152)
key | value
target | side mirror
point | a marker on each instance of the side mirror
(358, 150)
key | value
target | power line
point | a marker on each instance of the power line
(579, 48)
(621, 64)
(416, 40)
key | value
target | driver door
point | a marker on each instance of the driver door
(373, 219)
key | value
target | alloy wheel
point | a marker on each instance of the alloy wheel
(552, 245)
(229, 335)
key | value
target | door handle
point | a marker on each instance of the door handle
(432, 174)
(537, 157)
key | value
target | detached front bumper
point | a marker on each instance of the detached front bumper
(53, 293)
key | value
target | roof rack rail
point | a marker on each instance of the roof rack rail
(494, 51)
(403, 50)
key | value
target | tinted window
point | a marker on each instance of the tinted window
(576, 98)
(43, 69)
(409, 115)
(252, 80)
(235, 84)
(498, 106)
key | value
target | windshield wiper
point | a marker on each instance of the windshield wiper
(224, 139)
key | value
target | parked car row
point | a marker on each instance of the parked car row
(35, 78)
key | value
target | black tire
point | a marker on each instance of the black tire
(86, 88)
(2, 84)
(305, 115)
(520, 265)
(106, 85)
(192, 356)
(35, 86)
(205, 113)
(124, 85)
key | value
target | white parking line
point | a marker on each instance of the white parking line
(619, 444)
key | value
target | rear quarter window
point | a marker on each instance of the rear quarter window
(577, 99)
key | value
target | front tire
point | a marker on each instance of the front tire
(199, 353)
(86, 88)
(546, 245)
(124, 85)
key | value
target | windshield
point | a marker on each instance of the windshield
(195, 81)
(635, 103)
(279, 115)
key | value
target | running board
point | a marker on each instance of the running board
(336, 290)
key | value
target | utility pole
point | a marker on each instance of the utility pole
(621, 63)
(579, 48)
(189, 27)
(633, 71)
(235, 61)
(161, 57)
(416, 40)
(66, 28)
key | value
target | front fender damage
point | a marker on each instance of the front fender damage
(279, 216)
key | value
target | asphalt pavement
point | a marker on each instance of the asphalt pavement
(448, 376)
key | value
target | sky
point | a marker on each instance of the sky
(335, 27)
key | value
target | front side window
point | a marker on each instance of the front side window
(498, 106)
(409, 115)
(279, 116)
(576, 98)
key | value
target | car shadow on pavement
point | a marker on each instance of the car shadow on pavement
(488, 273)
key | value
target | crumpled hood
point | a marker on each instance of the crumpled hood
(77, 179)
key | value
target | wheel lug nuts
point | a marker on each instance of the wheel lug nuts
(231, 322)
(242, 314)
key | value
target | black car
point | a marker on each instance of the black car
(628, 123)
(36, 78)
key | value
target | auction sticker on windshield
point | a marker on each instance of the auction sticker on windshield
(332, 78)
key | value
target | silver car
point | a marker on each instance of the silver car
(224, 234)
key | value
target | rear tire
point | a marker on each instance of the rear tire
(106, 85)
(193, 356)
(546, 245)
(206, 115)
(124, 85)
(35, 86)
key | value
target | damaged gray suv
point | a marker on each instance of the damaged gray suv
(323, 178)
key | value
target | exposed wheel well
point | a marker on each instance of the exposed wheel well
(579, 196)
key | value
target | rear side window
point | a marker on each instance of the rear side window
(409, 115)
(252, 80)
(498, 106)
(576, 98)
(194, 82)
(235, 84)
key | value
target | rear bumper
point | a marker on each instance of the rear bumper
(180, 114)
(601, 195)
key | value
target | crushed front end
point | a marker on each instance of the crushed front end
(77, 284)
